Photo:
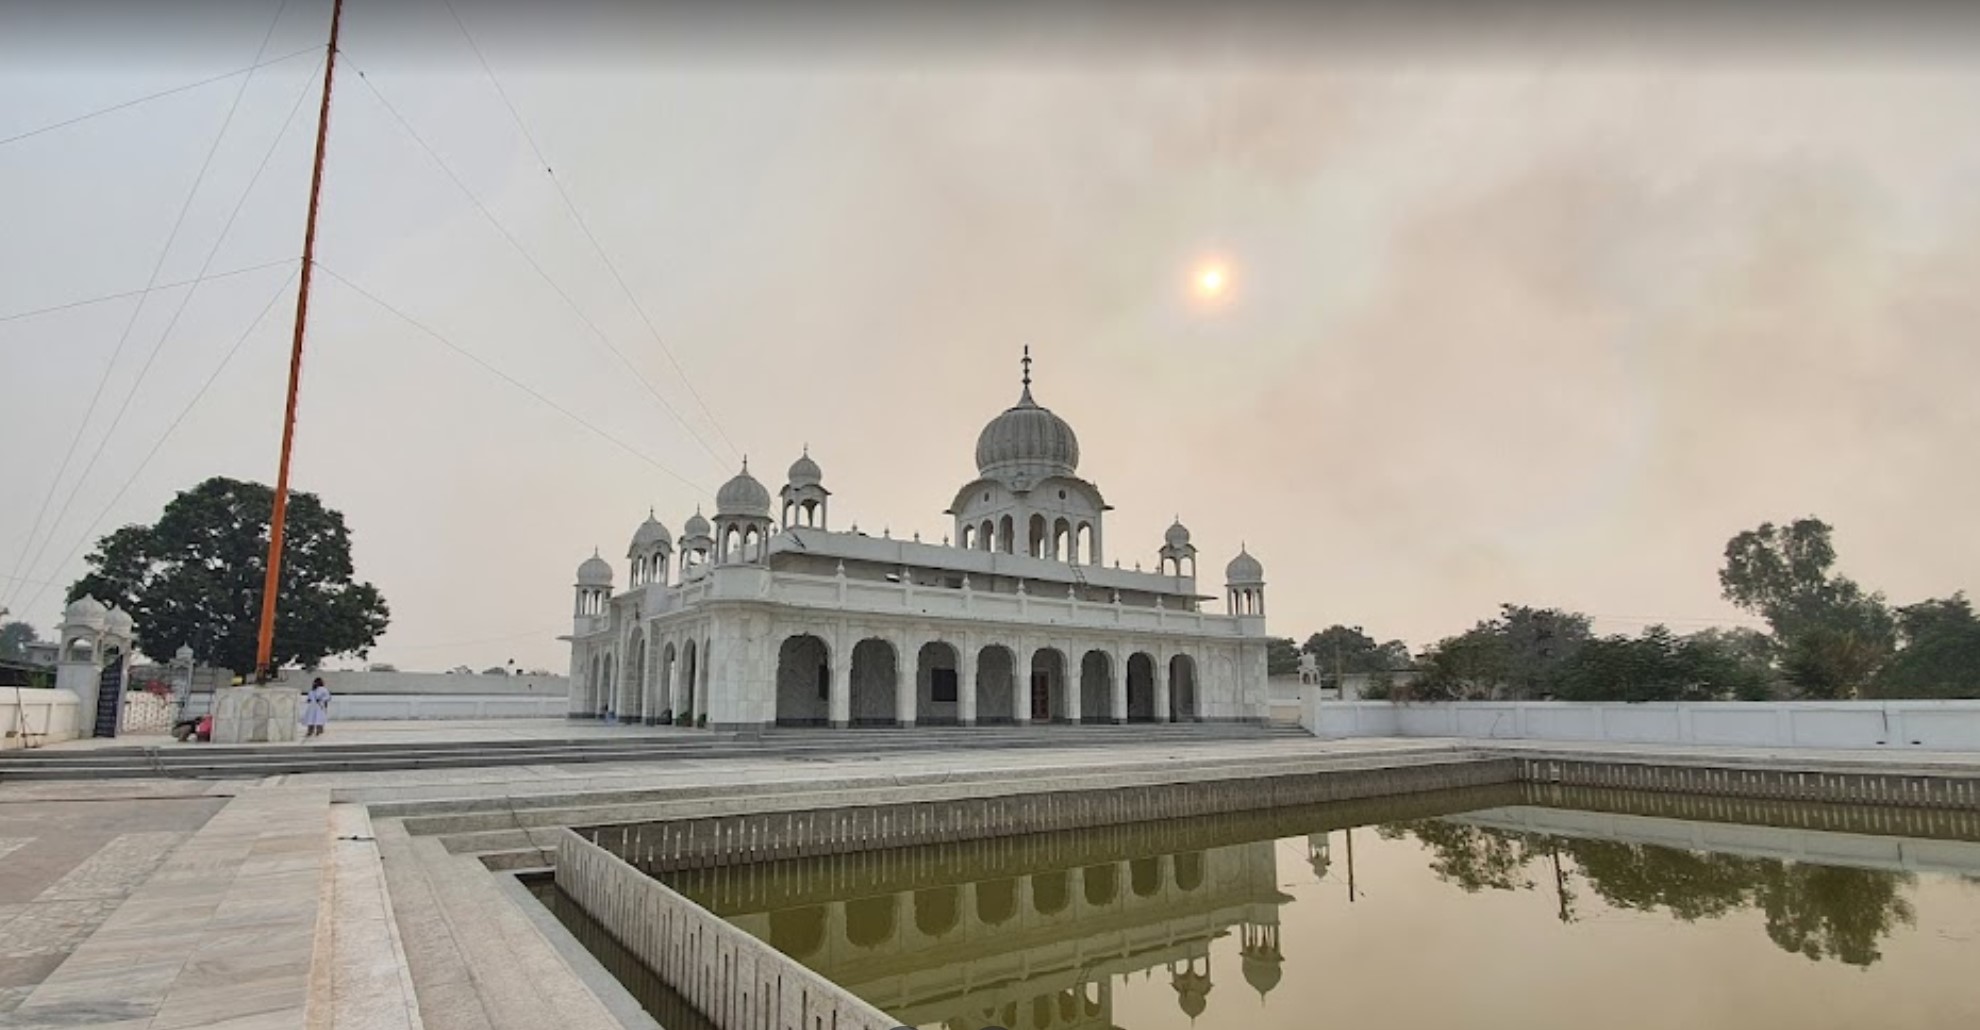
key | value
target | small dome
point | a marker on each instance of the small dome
(1262, 972)
(696, 526)
(86, 610)
(743, 495)
(649, 535)
(595, 572)
(1177, 536)
(805, 472)
(1244, 569)
(118, 623)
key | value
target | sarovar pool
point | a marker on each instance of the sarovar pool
(1518, 907)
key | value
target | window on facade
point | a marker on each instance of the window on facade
(942, 685)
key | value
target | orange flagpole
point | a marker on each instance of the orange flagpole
(265, 641)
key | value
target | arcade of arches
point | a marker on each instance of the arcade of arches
(935, 682)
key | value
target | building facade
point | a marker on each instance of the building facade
(1015, 618)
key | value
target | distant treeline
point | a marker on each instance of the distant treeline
(1828, 638)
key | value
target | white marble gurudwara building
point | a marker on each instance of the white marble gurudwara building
(1015, 618)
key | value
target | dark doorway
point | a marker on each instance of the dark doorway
(1041, 697)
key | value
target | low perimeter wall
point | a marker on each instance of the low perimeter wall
(448, 706)
(31, 717)
(728, 975)
(1855, 725)
(420, 684)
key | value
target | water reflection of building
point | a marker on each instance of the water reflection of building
(1036, 949)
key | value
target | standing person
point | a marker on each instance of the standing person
(316, 709)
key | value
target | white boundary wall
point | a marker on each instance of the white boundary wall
(425, 683)
(1865, 725)
(32, 717)
(447, 706)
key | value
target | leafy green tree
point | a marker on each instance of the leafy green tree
(195, 578)
(1834, 636)
(14, 639)
(1940, 652)
(1660, 666)
(1281, 656)
(1540, 644)
(1347, 649)
(1473, 664)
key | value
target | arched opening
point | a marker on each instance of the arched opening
(1189, 870)
(1036, 545)
(986, 537)
(996, 901)
(664, 706)
(967, 539)
(937, 685)
(936, 910)
(1100, 884)
(1048, 685)
(1050, 892)
(870, 921)
(1084, 545)
(609, 702)
(1182, 689)
(1096, 687)
(752, 544)
(685, 697)
(731, 546)
(1006, 533)
(874, 674)
(1141, 687)
(798, 932)
(1062, 541)
(804, 681)
(996, 683)
(1145, 877)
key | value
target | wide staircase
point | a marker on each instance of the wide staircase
(211, 761)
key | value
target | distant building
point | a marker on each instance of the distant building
(1013, 619)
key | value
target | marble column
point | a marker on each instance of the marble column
(838, 705)
(966, 690)
(1161, 691)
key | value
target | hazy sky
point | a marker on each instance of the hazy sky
(1521, 310)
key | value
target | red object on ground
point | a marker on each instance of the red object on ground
(204, 731)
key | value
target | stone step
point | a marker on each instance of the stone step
(200, 761)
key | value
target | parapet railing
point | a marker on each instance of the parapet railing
(730, 977)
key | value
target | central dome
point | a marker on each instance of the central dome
(1027, 440)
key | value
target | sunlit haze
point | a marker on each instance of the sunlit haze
(1544, 318)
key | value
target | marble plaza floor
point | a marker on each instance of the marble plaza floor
(281, 902)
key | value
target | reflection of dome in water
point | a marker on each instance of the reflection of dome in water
(1263, 972)
(1192, 990)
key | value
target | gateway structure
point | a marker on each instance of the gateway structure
(1015, 618)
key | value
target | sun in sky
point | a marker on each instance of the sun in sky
(1210, 281)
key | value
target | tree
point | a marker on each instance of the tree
(1472, 664)
(1281, 657)
(1347, 649)
(14, 639)
(195, 579)
(1539, 645)
(1940, 652)
(1833, 635)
